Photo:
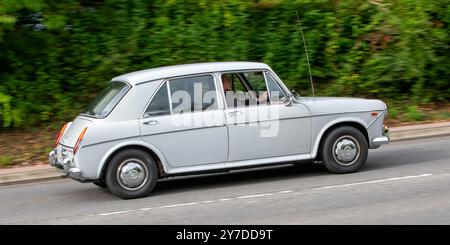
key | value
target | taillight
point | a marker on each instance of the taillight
(60, 134)
(80, 138)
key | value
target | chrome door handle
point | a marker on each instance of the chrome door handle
(150, 122)
(234, 113)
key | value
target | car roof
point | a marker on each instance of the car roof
(187, 69)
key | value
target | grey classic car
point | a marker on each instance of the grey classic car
(210, 117)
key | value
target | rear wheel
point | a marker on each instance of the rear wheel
(344, 150)
(131, 173)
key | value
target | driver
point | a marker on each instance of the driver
(227, 87)
(226, 81)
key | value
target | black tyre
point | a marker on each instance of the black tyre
(344, 150)
(131, 173)
(100, 183)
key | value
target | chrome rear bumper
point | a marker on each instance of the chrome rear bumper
(65, 166)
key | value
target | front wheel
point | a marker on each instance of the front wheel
(131, 173)
(344, 150)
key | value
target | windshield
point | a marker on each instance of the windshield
(107, 99)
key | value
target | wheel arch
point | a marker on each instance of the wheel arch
(151, 150)
(352, 122)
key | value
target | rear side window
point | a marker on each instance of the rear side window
(107, 99)
(188, 94)
(193, 94)
(160, 103)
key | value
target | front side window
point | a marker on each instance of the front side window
(256, 81)
(231, 82)
(159, 105)
(245, 88)
(107, 99)
(193, 94)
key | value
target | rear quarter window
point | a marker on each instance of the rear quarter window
(107, 99)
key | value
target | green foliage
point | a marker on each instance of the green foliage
(7, 115)
(414, 114)
(56, 55)
(393, 112)
(6, 161)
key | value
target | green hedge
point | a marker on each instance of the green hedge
(55, 55)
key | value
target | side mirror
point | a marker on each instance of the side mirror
(289, 101)
(295, 94)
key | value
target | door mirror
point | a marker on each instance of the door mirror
(295, 94)
(288, 100)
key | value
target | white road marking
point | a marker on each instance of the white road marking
(179, 205)
(285, 192)
(257, 195)
(116, 212)
(263, 195)
(159, 207)
(145, 209)
(374, 181)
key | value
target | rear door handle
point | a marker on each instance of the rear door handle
(150, 122)
(234, 113)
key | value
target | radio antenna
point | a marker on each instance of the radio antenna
(306, 51)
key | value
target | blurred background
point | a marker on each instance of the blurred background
(56, 55)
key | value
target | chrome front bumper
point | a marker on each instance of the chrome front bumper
(65, 166)
(383, 139)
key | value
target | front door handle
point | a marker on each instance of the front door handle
(234, 113)
(150, 122)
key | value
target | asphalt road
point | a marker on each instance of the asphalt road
(402, 183)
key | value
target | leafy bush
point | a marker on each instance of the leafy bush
(55, 56)
(6, 161)
(7, 115)
(413, 113)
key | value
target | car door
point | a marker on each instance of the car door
(267, 128)
(184, 122)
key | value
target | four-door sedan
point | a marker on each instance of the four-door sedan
(210, 117)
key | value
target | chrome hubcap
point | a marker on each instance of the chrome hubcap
(132, 174)
(346, 150)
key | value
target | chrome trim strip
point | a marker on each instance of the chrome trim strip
(268, 120)
(238, 164)
(181, 130)
(107, 141)
(194, 74)
(169, 96)
(338, 113)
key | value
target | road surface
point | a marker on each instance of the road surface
(402, 183)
